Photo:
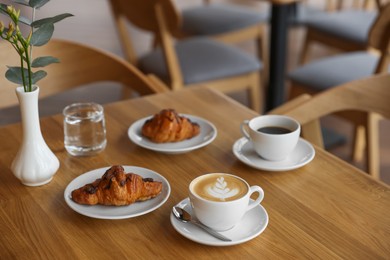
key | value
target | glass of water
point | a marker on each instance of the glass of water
(84, 129)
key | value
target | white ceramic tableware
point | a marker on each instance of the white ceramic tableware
(303, 154)
(117, 212)
(251, 225)
(220, 200)
(273, 137)
(208, 132)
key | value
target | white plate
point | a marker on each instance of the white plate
(302, 155)
(117, 212)
(207, 134)
(252, 224)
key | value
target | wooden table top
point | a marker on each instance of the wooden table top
(326, 209)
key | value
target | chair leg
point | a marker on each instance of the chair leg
(373, 145)
(305, 50)
(261, 43)
(311, 131)
(358, 143)
(256, 92)
(126, 93)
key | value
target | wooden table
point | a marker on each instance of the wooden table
(326, 209)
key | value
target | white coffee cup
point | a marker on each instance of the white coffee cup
(273, 137)
(220, 200)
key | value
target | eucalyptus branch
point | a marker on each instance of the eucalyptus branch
(28, 62)
(40, 33)
(22, 71)
(32, 28)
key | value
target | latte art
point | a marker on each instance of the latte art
(219, 187)
(220, 190)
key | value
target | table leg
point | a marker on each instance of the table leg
(278, 47)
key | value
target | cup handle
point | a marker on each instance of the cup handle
(259, 199)
(243, 127)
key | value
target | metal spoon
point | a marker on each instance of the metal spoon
(184, 216)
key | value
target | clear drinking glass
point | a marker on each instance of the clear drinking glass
(84, 129)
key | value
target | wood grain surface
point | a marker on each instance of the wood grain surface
(324, 210)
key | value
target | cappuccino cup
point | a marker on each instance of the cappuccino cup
(220, 200)
(273, 137)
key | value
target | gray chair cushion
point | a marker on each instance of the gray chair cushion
(219, 18)
(333, 71)
(300, 13)
(351, 25)
(202, 59)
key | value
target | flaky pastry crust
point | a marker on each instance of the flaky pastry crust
(117, 188)
(169, 126)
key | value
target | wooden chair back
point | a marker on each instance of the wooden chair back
(370, 95)
(159, 17)
(365, 125)
(379, 38)
(376, 34)
(143, 15)
(162, 19)
(79, 65)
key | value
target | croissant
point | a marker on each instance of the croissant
(168, 126)
(117, 188)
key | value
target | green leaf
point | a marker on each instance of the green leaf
(25, 20)
(36, 76)
(3, 8)
(44, 61)
(21, 2)
(52, 20)
(42, 35)
(37, 3)
(14, 74)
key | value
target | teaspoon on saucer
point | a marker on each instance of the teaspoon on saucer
(184, 216)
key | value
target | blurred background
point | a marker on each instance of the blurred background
(93, 24)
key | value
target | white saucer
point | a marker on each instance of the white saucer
(253, 224)
(117, 212)
(207, 134)
(302, 155)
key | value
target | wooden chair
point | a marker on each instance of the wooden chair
(332, 71)
(229, 23)
(194, 61)
(344, 30)
(369, 95)
(303, 11)
(79, 65)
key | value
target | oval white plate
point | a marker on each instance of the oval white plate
(207, 134)
(252, 224)
(302, 155)
(117, 212)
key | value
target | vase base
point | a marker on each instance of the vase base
(37, 183)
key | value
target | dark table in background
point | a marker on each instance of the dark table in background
(280, 15)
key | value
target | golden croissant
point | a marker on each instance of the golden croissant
(168, 126)
(117, 188)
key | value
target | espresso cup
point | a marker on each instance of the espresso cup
(220, 200)
(273, 137)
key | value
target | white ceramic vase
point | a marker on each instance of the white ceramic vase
(35, 164)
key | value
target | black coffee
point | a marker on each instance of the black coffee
(275, 130)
